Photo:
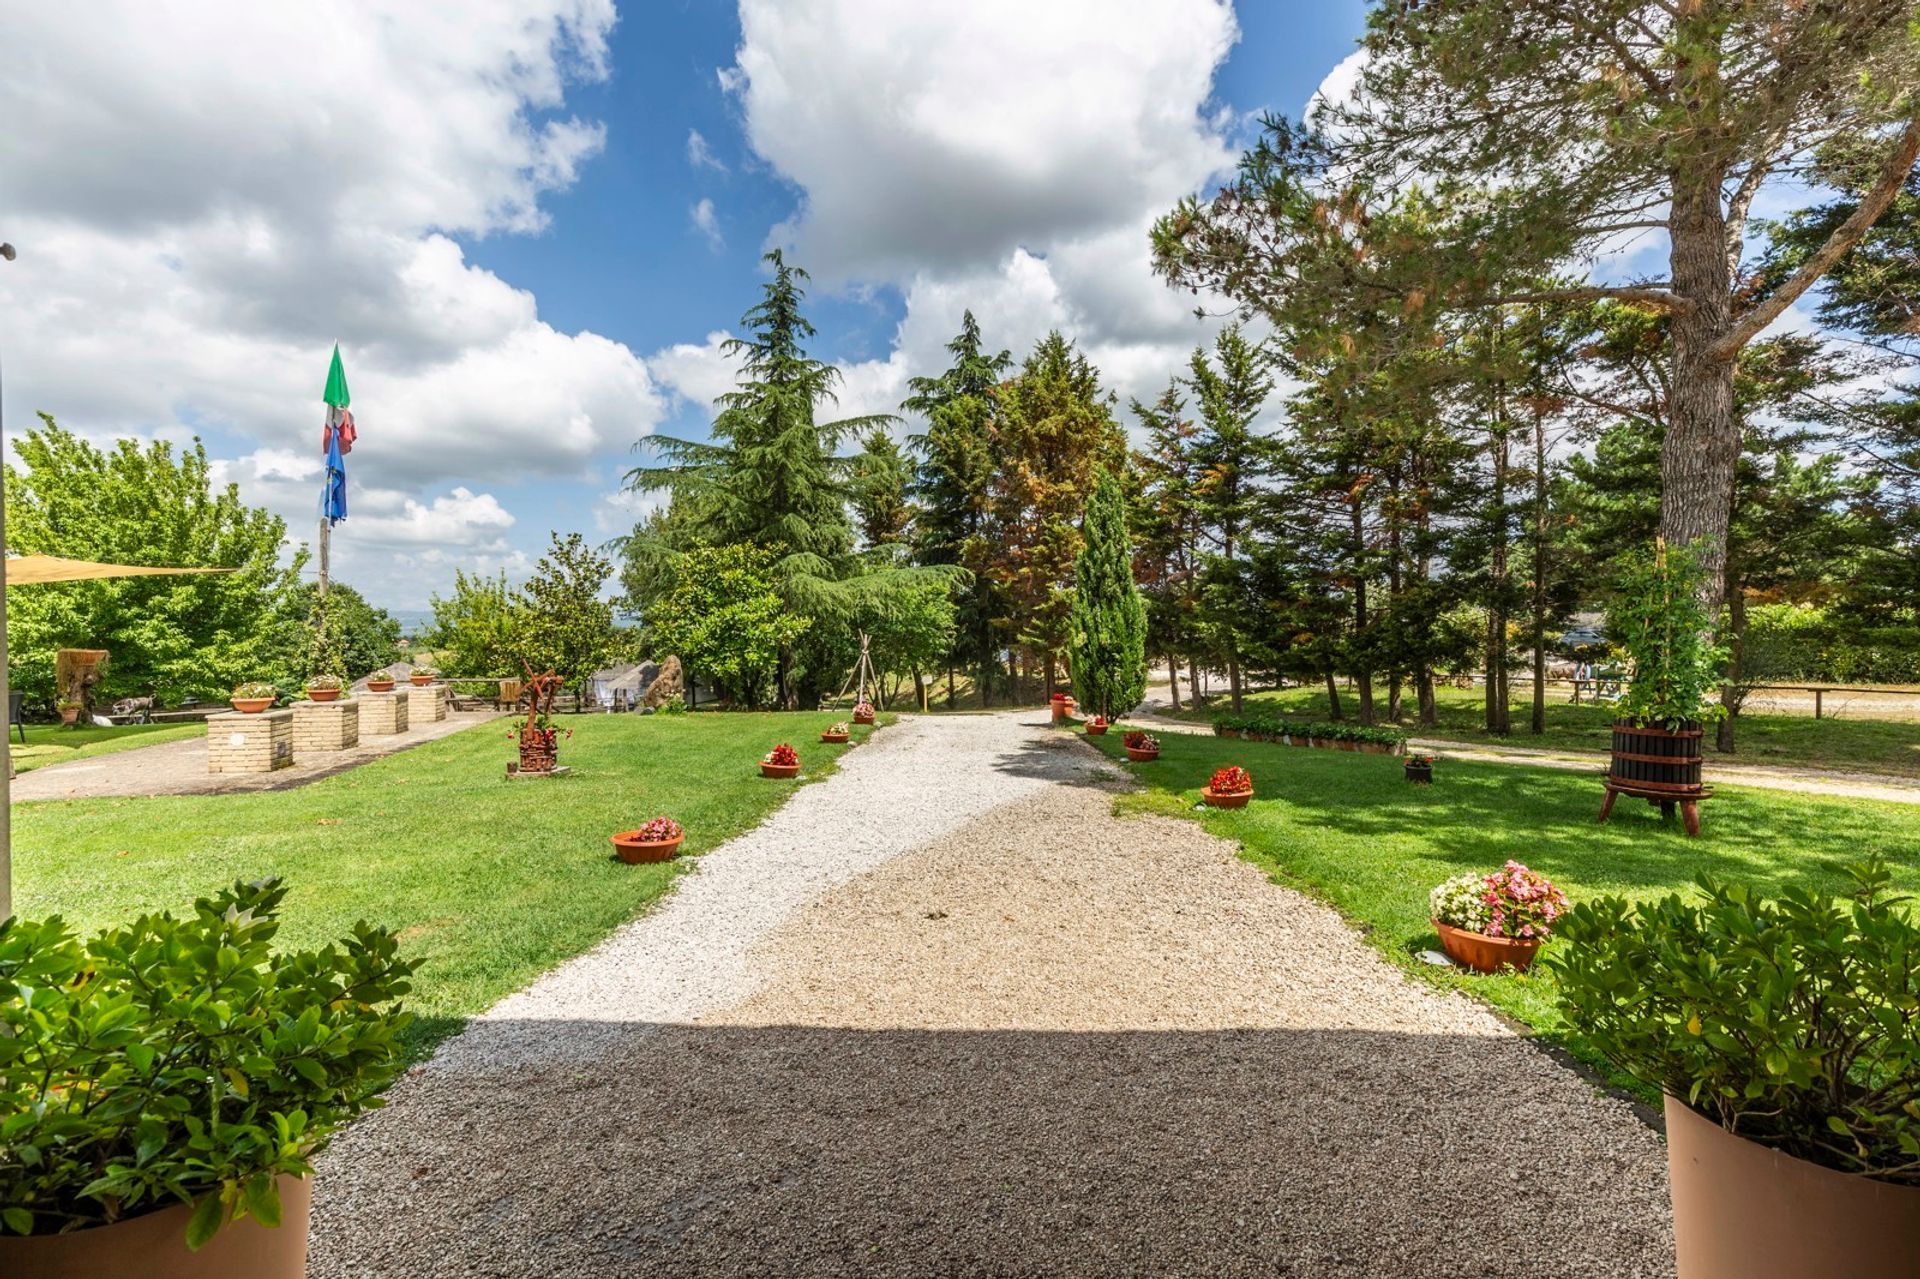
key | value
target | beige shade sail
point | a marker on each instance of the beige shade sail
(24, 569)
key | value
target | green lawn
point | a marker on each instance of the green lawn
(56, 744)
(490, 881)
(1347, 828)
(1858, 745)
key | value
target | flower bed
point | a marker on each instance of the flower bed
(1260, 727)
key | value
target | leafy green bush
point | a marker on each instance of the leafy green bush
(1264, 726)
(254, 689)
(1793, 1021)
(325, 681)
(1659, 619)
(183, 1061)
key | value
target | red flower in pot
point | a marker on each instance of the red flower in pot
(656, 841)
(781, 761)
(1230, 787)
(1141, 746)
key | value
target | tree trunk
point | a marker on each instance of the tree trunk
(1362, 676)
(1429, 705)
(1703, 437)
(1538, 723)
(1233, 681)
(1173, 680)
(1499, 710)
(1193, 681)
(1732, 694)
(919, 690)
(1333, 698)
(952, 698)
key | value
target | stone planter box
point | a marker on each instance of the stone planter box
(383, 714)
(319, 727)
(426, 703)
(259, 743)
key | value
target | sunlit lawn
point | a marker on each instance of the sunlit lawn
(1349, 829)
(490, 881)
(56, 744)
(1866, 745)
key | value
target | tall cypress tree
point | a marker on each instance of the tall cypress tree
(1109, 644)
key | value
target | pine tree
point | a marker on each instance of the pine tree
(954, 491)
(1167, 524)
(881, 477)
(1109, 644)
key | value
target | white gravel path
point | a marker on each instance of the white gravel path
(946, 1014)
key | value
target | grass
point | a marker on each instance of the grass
(1852, 745)
(491, 882)
(1348, 829)
(56, 744)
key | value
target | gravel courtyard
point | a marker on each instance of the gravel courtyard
(945, 1014)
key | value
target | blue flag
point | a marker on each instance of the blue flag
(333, 499)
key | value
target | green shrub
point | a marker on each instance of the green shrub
(1793, 1020)
(1659, 619)
(253, 689)
(183, 1061)
(1270, 727)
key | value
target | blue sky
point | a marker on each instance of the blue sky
(494, 206)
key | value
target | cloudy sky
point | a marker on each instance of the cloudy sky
(529, 223)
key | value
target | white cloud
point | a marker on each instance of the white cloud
(707, 222)
(207, 195)
(700, 154)
(998, 156)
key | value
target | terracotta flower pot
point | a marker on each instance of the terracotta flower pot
(863, 719)
(379, 686)
(323, 694)
(633, 850)
(779, 770)
(419, 681)
(836, 738)
(1216, 799)
(1485, 954)
(1742, 1210)
(251, 705)
(1140, 756)
(69, 715)
(1096, 730)
(1230, 732)
(154, 1246)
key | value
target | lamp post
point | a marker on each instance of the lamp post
(6, 782)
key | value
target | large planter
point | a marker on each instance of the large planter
(779, 770)
(1656, 761)
(1419, 774)
(251, 705)
(1096, 730)
(1218, 799)
(538, 753)
(419, 681)
(1485, 954)
(1742, 1210)
(858, 718)
(379, 686)
(631, 849)
(1139, 756)
(323, 694)
(154, 1246)
(838, 739)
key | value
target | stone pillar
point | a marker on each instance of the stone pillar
(382, 714)
(239, 743)
(427, 703)
(319, 727)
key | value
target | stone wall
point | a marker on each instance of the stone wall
(382, 714)
(319, 727)
(239, 743)
(427, 703)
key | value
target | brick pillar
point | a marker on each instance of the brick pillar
(427, 703)
(239, 743)
(320, 727)
(382, 714)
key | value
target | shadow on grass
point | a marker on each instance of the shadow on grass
(619, 1148)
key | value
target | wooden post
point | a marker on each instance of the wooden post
(1819, 696)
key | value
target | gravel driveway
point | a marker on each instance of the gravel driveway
(945, 1014)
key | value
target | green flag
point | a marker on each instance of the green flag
(336, 393)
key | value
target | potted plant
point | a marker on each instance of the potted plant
(781, 761)
(838, 734)
(1781, 1029)
(167, 1140)
(1419, 769)
(655, 841)
(1490, 922)
(323, 688)
(863, 712)
(253, 697)
(70, 713)
(381, 681)
(1230, 787)
(1667, 634)
(539, 743)
(423, 674)
(1097, 726)
(1141, 747)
